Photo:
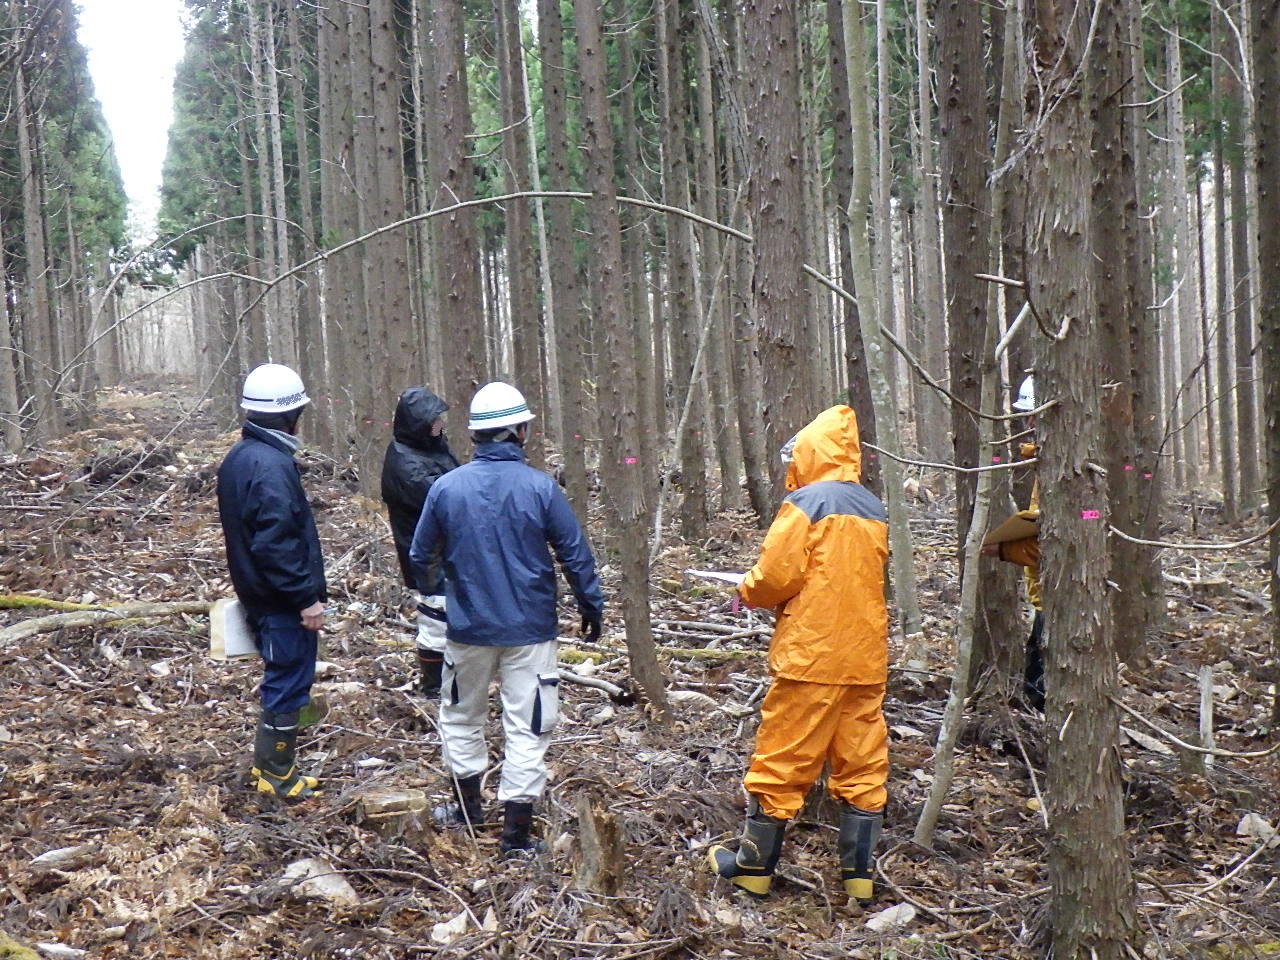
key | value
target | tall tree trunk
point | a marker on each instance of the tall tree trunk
(563, 308)
(460, 302)
(682, 314)
(854, 358)
(1115, 208)
(931, 411)
(965, 160)
(525, 334)
(618, 394)
(311, 335)
(1222, 283)
(10, 421)
(1265, 34)
(41, 336)
(777, 212)
(860, 213)
(1092, 912)
(1242, 383)
(719, 367)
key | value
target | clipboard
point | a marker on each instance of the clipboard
(1023, 525)
(229, 634)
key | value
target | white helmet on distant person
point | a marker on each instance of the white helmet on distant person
(1026, 396)
(497, 405)
(273, 388)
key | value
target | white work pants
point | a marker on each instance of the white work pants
(530, 692)
(431, 622)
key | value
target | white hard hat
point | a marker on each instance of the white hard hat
(273, 388)
(788, 451)
(497, 405)
(1026, 395)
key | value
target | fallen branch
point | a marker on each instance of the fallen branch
(25, 601)
(94, 616)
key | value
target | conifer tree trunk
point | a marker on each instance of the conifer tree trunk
(1115, 207)
(769, 31)
(902, 560)
(563, 309)
(525, 333)
(1265, 35)
(965, 160)
(930, 411)
(10, 422)
(40, 340)
(719, 369)
(1245, 450)
(460, 303)
(620, 431)
(682, 315)
(1092, 912)
(854, 358)
(1222, 283)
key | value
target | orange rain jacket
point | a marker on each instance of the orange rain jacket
(822, 563)
(1026, 552)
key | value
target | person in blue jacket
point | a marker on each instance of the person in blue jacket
(416, 457)
(498, 523)
(276, 566)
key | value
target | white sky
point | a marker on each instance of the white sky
(133, 48)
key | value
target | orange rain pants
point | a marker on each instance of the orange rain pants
(804, 724)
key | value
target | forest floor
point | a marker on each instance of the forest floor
(128, 827)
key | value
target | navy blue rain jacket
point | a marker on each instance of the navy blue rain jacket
(273, 549)
(499, 521)
(413, 462)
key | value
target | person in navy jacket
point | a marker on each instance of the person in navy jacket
(502, 526)
(276, 567)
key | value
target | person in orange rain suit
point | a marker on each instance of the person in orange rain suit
(1026, 553)
(822, 567)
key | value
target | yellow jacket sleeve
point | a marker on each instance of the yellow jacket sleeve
(784, 558)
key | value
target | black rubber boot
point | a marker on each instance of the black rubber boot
(859, 833)
(274, 751)
(430, 670)
(517, 819)
(751, 866)
(467, 808)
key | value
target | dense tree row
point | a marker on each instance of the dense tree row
(62, 221)
(684, 226)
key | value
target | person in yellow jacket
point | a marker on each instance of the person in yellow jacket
(1026, 553)
(822, 568)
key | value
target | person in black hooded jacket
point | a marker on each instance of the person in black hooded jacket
(416, 457)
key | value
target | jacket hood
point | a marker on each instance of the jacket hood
(827, 449)
(417, 409)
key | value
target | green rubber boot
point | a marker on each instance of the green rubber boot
(274, 751)
(751, 866)
(859, 833)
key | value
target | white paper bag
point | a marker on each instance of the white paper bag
(229, 633)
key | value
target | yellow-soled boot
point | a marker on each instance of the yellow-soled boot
(751, 866)
(859, 833)
(274, 750)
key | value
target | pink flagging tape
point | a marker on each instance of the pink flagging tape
(1090, 514)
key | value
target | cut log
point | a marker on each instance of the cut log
(95, 616)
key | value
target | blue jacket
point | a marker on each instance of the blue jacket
(498, 521)
(273, 549)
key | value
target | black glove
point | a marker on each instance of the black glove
(591, 627)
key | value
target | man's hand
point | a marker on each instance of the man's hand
(313, 616)
(590, 627)
(991, 550)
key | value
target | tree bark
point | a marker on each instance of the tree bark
(617, 383)
(1092, 913)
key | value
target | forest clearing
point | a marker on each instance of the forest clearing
(134, 830)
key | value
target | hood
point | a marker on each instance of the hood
(827, 449)
(416, 411)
